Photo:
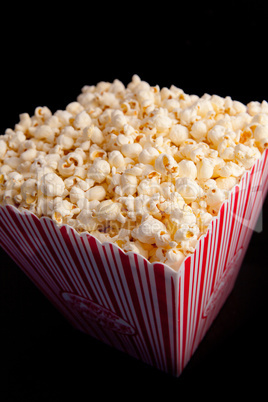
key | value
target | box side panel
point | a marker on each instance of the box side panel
(119, 299)
(210, 273)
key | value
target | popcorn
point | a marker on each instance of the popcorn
(186, 232)
(129, 184)
(199, 130)
(96, 152)
(118, 119)
(226, 148)
(52, 185)
(205, 169)
(182, 215)
(95, 193)
(261, 132)
(174, 258)
(82, 120)
(109, 211)
(187, 168)
(165, 164)
(193, 150)
(148, 187)
(131, 150)
(14, 180)
(231, 169)
(188, 189)
(3, 149)
(178, 134)
(116, 159)
(99, 170)
(68, 163)
(136, 247)
(24, 123)
(94, 134)
(245, 155)
(216, 134)
(76, 194)
(29, 191)
(147, 231)
(214, 198)
(28, 155)
(142, 167)
(43, 132)
(62, 209)
(203, 220)
(86, 221)
(226, 183)
(65, 142)
(148, 155)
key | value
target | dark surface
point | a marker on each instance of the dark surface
(200, 49)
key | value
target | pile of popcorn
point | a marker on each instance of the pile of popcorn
(144, 167)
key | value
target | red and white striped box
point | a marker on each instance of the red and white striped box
(146, 310)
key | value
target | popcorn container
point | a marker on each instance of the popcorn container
(147, 310)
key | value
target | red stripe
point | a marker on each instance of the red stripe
(186, 291)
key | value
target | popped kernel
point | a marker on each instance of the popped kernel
(99, 170)
(95, 193)
(52, 185)
(178, 134)
(131, 150)
(147, 231)
(3, 149)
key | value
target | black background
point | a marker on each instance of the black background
(46, 58)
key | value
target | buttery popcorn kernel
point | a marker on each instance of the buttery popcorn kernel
(143, 167)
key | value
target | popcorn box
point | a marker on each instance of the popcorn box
(145, 309)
